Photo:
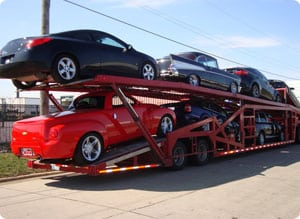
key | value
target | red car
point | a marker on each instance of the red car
(95, 122)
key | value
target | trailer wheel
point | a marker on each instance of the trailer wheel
(194, 80)
(65, 69)
(178, 156)
(166, 125)
(255, 91)
(261, 138)
(88, 149)
(23, 84)
(202, 155)
(148, 71)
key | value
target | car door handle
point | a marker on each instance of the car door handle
(114, 116)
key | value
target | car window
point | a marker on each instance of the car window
(261, 117)
(90, 102)
(207, 61)
(108, 41)
(117, 102)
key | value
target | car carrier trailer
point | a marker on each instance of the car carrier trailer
(185, 143)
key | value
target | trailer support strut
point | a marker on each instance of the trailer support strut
(140, 124)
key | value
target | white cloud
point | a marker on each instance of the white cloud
(139, 3)
(249, 42)
(1, 1)
(298, 1)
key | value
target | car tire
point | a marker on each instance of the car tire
(166, 125)
(202, 155)
(178, 156)
(261, 138)
(65, 69)
(233, 88)
(255, 92)
(281, 136)
(148, 71)
(23, 85)
(89, 149)
(278, 99)
(194, 80)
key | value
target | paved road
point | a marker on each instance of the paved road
(263, 184)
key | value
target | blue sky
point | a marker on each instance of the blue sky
(263, 34)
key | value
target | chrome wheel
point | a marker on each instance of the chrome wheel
(166, 126)
(261, 138)
(89, 149)
(255, 91)
(148, 72)
(202, 155)
(233, 88)
(66, 68)
(193, 80)
(178, 155)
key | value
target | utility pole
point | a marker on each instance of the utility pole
(44, 100)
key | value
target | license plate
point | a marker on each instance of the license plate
(26, 151)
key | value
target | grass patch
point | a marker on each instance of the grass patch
(10, 165)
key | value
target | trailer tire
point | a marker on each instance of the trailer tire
(202, 155)
(89, 149)
(261, 138)
(178, 156)
(166, 125)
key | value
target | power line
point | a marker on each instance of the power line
(237, 19)
(167, 38)
(197, 30)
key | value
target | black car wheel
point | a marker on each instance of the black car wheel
(281, 136)
(255, 91)
(193, 80)
(261, 138)
(23, 84)
(178, 154)
(202, 155)
(278, 98)
(148, 71)
(65, 69)
(88, 149)
(233, 88)
(166, 125)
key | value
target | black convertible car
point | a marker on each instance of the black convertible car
(197, 69)
(254, 83)
(69, 56)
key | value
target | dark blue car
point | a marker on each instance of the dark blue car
(197, 109)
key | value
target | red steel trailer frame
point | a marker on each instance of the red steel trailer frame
(182, 143)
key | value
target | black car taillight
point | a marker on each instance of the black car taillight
(38, 41)
(241, 72)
